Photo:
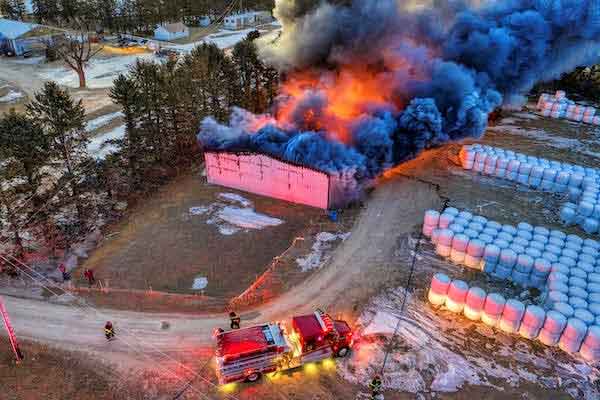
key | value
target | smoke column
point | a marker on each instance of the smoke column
(371, 83)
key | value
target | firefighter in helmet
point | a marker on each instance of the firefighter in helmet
(235, 320)
(376, 387)
(109, 331)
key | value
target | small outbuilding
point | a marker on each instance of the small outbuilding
(173, 31)
(17, 37)
(247, 19)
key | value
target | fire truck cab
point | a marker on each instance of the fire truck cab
(246, 354)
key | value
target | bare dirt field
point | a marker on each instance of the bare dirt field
(164, 246)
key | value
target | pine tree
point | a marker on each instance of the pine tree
(124, 93)
(46, 11)
(62, 120)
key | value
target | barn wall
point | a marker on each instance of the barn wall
(260, 174)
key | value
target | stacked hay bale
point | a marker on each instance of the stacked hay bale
(558, 106)
(580, 183)
(565, 267)
(551, 328)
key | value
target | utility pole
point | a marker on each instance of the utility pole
(11, 333)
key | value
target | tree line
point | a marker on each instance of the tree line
(123, 15)
(163, 103)
(54, 190)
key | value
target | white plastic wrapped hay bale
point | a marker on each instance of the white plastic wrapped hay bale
(509, 229)
(432, 218)
(501, 167)
(532, 322)
(592, 243)
(558, 235)
(451, 211)
(564, 308)
(491, 257)
(444, 242)
(591, 225)
(467, 157)
(480, 220)
(568, 215)
(585, 316)
(492, 309)
(568, 261)
(493, 233)
(585, 208)
(574, 248)
(588, 268)
(533, 252)
(575, 282)
(554, 325)
(561, 182)
(555, 296)
(575, 239)
(594, 292)
(440, 283)
(527, 235)
(573, 335)
(590, 348)
(559, 286)
(498, 226)
(551, 258)
(540, 273)
(511, 316)
(505, 236)
(524, 171)
(459, 248)
(474, 254)
(445, 220)
(524, 263)
(535, 178)
(578, 273)
(457, 293)
(560, 94)
(512, 170)
(590, 251)
(465, 215)
(575, 180)
(490, 165)
(487, 239)
(574, 194)
(538, 243)
(475, 226)
(474, 303)
(471, 233)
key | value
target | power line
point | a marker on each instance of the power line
(406, 288)
(108, 318)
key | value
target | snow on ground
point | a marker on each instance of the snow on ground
(101, 121)
(100, 73)
(323, 242)
(12, 96)
(200, 283)
(29, 61)
(230, 218)
(98, 146)
(437, 351)
(579, 146)
(224, 39)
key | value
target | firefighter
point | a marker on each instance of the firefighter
(89, 275)
(109, 331)
(376, 387)
(235, 320)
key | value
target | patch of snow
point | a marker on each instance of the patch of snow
(198, 210)
(323, 243)
(247, 218)
(29, 61)
(98, 146)
(552, 140)
(101, 121)
(230, 219)
(100, 73)
(200, 283)
(235, 198)
(12, 96)
(224, 39)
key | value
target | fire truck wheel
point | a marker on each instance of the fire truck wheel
(253, 377)
(343, 352)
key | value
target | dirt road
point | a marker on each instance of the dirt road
(356, 271)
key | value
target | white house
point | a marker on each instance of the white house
(247, 19)
(173, 31)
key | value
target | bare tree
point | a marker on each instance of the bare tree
(75, 49)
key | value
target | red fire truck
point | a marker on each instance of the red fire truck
(246, 354)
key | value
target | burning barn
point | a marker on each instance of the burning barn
(268, 176)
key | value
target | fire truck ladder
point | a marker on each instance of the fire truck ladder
(11, 333)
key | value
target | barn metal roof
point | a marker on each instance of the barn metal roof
(10, 29)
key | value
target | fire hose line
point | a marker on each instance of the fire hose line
(406, 288)
(85, 307)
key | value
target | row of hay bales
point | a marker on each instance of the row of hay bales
(566, 267)
(512, 316)
(558, 106)
(582, 184)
